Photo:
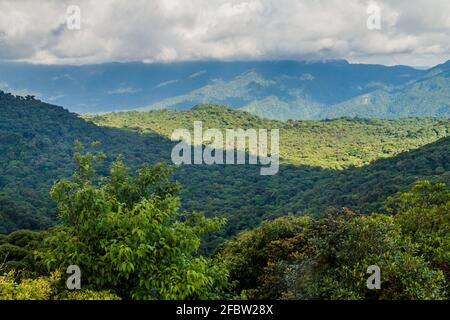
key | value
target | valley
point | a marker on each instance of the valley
(355, 163)
(214, 158)
(342, 165)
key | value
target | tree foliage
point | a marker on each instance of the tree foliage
(14, 287)
(327, 258)
(127, 235)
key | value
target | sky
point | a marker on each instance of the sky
(386, 32)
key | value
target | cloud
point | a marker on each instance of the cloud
(122, 90)
(65, 76)
(57, 97)
(415, 33)
(166, 83)
(198, 74)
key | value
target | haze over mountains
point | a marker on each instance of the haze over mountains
(272, 89)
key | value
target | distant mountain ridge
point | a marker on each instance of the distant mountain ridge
(273, 89)
(427, 95)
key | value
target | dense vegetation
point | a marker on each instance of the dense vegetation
(311, 151)
(130, 240)
(302, 258)
(124, 231)
(335, 144)
(135, 236)
(127, 234)
(37, 144)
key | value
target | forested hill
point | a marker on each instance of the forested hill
(36, 144)
(427, 95)
(354, 163)
(335, 144)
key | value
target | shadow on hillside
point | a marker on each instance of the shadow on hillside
(37, 143)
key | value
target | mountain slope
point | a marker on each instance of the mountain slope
(292, 90)
(429, 95)
(335, 144)
(272, 89)
(36, 147)
(311, 152)
(279, 89)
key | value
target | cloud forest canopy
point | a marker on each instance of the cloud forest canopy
(355, 163)
(358, 162)
(247, 150)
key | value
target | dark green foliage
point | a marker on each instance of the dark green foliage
(327, 258)
(127, 235)
(324, 163)
(36, 147)
(424, 216)
(250, 253)
(17, 252)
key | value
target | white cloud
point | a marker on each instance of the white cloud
(122, 90)
(198, 74)
(415, 33)
(53, 98)
(62, 77)
(166, 83)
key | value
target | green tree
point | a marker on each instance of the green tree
(127, 235)
(41, 288)
(50, 287)
(424, 217)
(327, 258)
(249, 254)
(17, 252)
(342, 248)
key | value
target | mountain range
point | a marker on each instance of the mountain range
(271, 89)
